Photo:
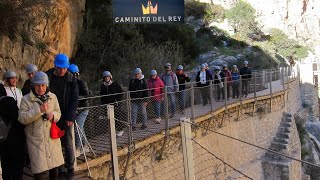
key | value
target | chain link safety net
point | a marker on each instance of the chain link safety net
(137, 119)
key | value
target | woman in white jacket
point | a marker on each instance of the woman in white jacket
(37, 110)
(10, 79)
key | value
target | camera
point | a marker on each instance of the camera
(44, 98)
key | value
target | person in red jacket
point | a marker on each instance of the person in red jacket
(156, 86)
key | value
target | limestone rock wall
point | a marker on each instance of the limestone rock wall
(54, 28)
(297, 18)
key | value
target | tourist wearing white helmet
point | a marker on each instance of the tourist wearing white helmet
(111, 93)
(64, 85)
(12, 143)
(203, 80)
(246, 76)
(138, 93)
(171, 83)
(218, 82)
(235, 76)
(182, 79)
(31, 69)
(38, 110)
(156, 87)
(10, 80)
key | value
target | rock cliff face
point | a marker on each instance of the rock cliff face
(53, 28)
(300, 19)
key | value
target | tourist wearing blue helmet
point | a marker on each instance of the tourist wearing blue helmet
(81, 114)
(64, 85)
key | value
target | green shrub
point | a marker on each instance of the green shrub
(287, 47)
(242, 16)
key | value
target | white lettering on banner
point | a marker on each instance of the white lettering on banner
(147, 19)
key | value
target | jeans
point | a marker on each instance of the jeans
(219, 92)
(172, 100)
(67, 143)
(134, 112)
(245, 87)
(235, 89)
(205, 95)
(182, 99)
(51, 174)
(157, 108)
(81, 118)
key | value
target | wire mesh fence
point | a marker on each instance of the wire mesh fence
(139, 118)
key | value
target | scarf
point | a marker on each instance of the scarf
(107, 83)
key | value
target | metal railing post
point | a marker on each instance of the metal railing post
(166, 107)
(283, 87)
(270, 91)
(192, 101)
(254, 92)
(225, 91)
(211, 94)
(240, 96)
(113, 142)
(187, 148)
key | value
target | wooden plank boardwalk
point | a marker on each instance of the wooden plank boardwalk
(100, 144)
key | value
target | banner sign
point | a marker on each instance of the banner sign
(148, 11)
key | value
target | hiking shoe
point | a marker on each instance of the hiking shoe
(119, 133)
(78, 152)
(86, 149)
(158, 120)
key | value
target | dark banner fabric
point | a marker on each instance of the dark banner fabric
(148, 11)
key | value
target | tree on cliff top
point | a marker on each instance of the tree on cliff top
(242, 16)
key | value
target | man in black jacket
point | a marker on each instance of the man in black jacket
(246, 76)
(31, 69)
(137, 86)
(64, 85)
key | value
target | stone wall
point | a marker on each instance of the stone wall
(253, 123)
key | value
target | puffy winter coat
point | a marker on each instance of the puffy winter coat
(156, 85)
(45, 153)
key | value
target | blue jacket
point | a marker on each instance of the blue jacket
(235, 76)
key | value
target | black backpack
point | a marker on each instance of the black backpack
(4, 128)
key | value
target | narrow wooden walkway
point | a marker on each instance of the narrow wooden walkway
(101, 144)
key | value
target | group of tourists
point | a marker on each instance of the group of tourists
(39, 119)
(48, 113)
(224, 81)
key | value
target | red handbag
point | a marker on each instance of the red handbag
(55, 131)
